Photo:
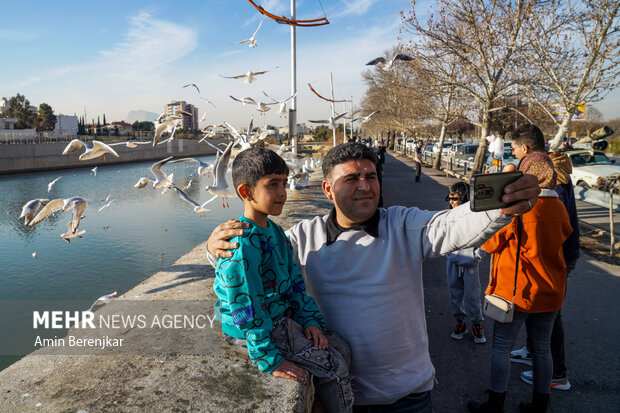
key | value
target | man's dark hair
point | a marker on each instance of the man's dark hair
(531, 136)
(252, 164)
(346, 152)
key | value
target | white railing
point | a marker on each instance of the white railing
(17, 134)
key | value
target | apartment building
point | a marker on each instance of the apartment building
(190, 122)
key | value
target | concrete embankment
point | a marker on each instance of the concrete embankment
(212, 379)
(32, 157)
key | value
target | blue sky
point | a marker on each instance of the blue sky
(115, 56)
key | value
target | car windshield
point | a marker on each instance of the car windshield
(586, 159)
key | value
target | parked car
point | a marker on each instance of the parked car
(592, 169)
(451, 152)
(444, 149)
(464, 154)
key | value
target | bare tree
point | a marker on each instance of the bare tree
(484, 37)
(575, 49)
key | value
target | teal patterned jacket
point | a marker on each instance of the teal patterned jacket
(256, 286)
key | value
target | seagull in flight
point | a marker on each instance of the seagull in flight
(203, 98)
(91, 151)
(94, 170)
(161, 179)
(249, 76)
(129, 144)
(199, 209)
(282, 103)
(103, 300)
(385, 64)
(332, 120)
(168, 124)
(51, 184)
(77, 203)
(251, 40)
(193, 84)
(220, 187)
(71, 234)
(29, 210)
(106, 205)
(203, 167)
(367, 117)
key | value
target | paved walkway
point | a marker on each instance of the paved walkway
(463, 368)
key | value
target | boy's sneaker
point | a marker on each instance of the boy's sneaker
(478, 334)
(561, 383)
(521, 356)
(459, 331)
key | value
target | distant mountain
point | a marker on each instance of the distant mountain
(141, 116)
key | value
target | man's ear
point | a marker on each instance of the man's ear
(245, 192)
(327, 188)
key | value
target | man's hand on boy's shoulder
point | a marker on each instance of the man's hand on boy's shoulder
(316, 335)
(289, 370)
(218, 244)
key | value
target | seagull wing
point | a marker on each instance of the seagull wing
(212, 199)
(243, 41)
(339, 116)
(403, 57)
(184, 197)
(381, 60)
(184, 160)
(79, 206)
(203, 98)
(103, 300)
(142, 182)
(221, 166)
(193, 84)
(212, 145)
(156, 169)
(74, 145)
(51, 207)
(256, 32)
(233, 77)
(244, 100)
(233, 131)
(104, 147)
(319, 121)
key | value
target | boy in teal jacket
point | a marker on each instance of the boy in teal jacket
(262, 296)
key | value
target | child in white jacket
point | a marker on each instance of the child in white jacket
(463, 273)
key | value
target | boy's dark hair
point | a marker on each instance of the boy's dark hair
(252, 164)
(531, 136)
(462, 190)
(346, 152)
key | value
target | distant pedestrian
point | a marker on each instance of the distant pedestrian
(463, 273)
(417, 156)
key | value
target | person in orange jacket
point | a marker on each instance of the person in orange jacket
(540, 280)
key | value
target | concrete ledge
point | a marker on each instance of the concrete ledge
(222, 380)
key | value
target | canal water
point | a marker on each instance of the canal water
(141, 232)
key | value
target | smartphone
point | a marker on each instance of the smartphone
(486, 190)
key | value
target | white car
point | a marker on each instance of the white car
(592, 169)
(444, 149)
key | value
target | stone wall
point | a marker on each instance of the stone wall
(32, 157)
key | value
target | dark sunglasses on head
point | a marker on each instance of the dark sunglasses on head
(454, 198)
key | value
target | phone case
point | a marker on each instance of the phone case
(486, 190)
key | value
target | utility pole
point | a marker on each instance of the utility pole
(331, 86)
(292, 113)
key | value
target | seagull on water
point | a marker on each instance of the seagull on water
(251, 40)
(220, 187)
(249, 76)
(70, 234)
(91, 151)
(160, 178)
(77, 203)
(94, 170)
(103, 300)
(51, 184)
(198, 208)
(385, 64)
(30, 209)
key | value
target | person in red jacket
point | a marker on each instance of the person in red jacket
(540, 280)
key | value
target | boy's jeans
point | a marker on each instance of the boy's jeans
(330, 367)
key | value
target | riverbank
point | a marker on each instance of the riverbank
(206, 377)
(34, 157)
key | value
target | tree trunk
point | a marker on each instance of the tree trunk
(442, 135)
(484, 144)
(556, 142)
